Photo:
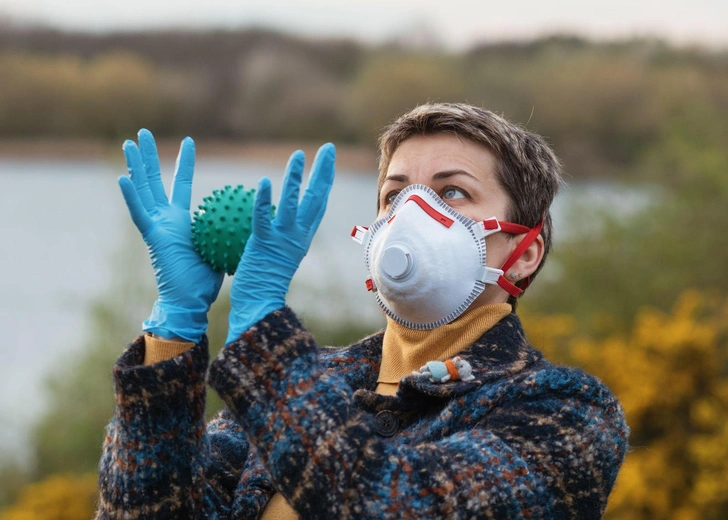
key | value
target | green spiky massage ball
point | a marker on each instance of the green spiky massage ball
(222, 225)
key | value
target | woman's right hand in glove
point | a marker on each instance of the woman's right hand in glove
(187, 286)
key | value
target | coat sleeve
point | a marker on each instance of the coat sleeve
(569, 429)
(160, 459)
(323, 455)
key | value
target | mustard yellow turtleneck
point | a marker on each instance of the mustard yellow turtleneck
(405, 350)
(158, 349)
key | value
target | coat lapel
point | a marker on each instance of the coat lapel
(501, 352)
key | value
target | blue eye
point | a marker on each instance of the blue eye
(390, 197)
(453, 193)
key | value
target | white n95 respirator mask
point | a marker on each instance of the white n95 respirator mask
(427, 262)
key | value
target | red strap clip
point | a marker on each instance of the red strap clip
(370, 284)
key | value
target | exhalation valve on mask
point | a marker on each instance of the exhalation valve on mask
(426, 261)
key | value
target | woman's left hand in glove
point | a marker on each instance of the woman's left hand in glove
(187, 286)
(276, 247)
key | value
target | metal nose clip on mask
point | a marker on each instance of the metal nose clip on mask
(426, 261)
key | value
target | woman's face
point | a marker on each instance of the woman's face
(462, 173)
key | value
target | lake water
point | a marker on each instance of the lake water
(62, 223)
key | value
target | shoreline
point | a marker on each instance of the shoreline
(349, 157)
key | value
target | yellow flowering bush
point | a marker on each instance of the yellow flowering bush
(670, 372)
(58, 497)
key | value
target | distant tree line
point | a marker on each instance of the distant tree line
(600, 104)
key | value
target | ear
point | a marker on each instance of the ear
(529, 261)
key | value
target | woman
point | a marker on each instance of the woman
(447, 413)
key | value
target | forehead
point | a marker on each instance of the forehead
(424, 155)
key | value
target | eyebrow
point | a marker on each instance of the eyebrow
(450, 173)
(437, 177)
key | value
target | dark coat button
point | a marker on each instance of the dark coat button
(387, 423)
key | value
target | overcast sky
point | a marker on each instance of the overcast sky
(457, 23)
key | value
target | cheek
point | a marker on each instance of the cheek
(497, 249)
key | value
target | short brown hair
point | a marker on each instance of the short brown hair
(528, 170)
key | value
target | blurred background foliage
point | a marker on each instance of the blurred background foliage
(637, 298)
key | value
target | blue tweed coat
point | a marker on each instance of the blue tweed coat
(524, 439)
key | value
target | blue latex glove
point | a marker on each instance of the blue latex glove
(187, 286)
(276, 247)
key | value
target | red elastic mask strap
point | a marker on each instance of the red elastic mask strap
(507, 227)
(516, 254)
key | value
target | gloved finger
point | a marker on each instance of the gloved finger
(139, 176)
(288, 205)
(317, 220)
(139, 215)
(313, 206)
(261, 209)
(183, 173)
(150, 157)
